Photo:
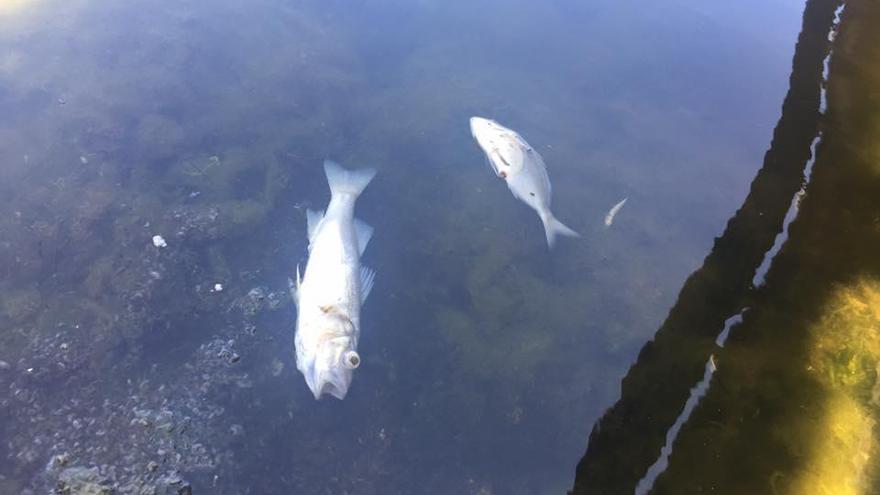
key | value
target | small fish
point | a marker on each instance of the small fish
(513, 160)
(609, 218)
(335, 285)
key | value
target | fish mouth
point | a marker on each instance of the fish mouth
(330, 388)
(477, 124)
(334, 385)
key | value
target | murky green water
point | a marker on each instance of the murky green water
(487, 359)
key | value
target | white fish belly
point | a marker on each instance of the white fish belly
(531, 186)
(332, 273)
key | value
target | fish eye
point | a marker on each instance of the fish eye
(351, 360)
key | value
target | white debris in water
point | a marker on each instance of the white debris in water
(277, 367)
(159, 241)
(218, 287)
(609, 218)
(84, 160)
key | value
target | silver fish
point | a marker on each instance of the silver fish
(335, 285)
(609, 218)
(513, 160)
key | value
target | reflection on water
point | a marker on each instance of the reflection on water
(794, 405)
(9, 7)
(647, 482)
(485, 359)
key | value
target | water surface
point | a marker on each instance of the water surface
(487, 358)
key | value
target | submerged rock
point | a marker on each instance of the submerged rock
(197, 223)
(172, 484)
(259, 299)
(83, 481)
(147, 438)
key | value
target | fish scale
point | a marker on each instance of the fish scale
(330, 293)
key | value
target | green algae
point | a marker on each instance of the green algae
(20, 305)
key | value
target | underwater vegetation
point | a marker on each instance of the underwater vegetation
(845, 359)
(98, 156)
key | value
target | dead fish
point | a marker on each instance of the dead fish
(515, 161)
(609, 218)
(335, 285)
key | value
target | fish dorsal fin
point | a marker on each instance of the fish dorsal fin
(313, 218)
(522, 142)
(368, 276)
(363, 232)
(294, 287)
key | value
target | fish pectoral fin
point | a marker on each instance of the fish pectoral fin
(294, 287)
(522, 142)
(491, 164)
(368, 276)
(313, 219)
(364, 232)
(293, 291)
(501, 157)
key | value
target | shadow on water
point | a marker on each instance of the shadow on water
(793, 404)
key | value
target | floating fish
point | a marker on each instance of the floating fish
(609, 218)
(335, 285)
(513, 160)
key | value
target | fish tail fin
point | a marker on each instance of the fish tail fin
(343, 181)
(553, 227)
